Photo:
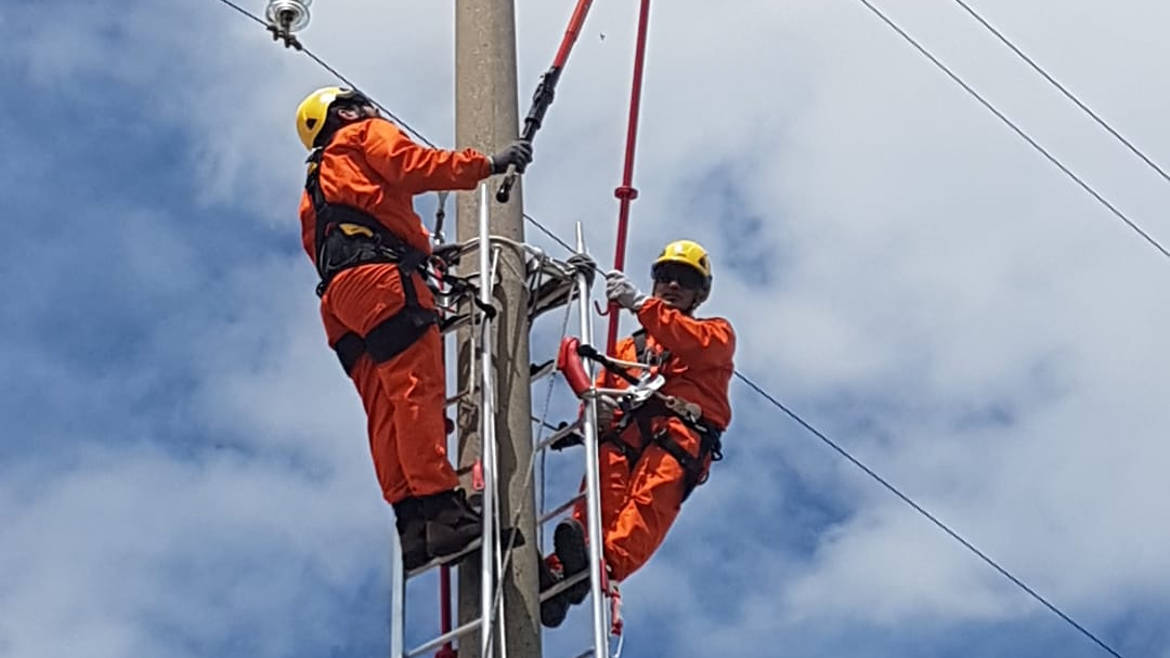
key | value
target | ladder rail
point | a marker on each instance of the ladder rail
(397, 599)
(592, 477)
(487, 420)
(491, 623)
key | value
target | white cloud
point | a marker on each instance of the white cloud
(937, 297)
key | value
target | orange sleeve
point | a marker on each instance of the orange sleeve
(416, 169)
(706, 342)
(623, 351)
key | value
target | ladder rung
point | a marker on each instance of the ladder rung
(564, 585)
(440, 561)
(444, 638)
(539, 371)
(558, 435)
(512, 535)
(560, 509)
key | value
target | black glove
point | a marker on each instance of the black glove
(583, 264)
(517, 153)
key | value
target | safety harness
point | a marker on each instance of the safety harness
(642, 404)
(346, 237)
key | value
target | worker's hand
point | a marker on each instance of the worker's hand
(517, 153)
(583, 264)
(621, 291)
(604, 416)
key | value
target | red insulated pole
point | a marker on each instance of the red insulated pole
(626, 192)
(571, 32)
(448, 651)
(546, 90)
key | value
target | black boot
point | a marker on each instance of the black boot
(408, 518)
(451, 524)
(553, 609)
(569, 540)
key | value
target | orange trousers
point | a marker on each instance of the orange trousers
(638, 506)
(403, 397)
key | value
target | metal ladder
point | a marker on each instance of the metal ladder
(491, 559)
(490, 563)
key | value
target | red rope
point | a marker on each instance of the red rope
(626, 192)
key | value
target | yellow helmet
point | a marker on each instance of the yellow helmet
(314, 110)
(687, 252)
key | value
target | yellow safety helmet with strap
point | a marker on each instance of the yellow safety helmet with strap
(686, 252)
(696, 271)
(314, 111)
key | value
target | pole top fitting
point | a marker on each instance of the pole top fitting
(286, 17)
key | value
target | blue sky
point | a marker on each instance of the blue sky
(183, 470)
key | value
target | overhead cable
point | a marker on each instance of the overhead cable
(1064, 90)
(921, 510)
(418, 135)
(1016, 128)
(337, 74)
(774, 401)
(910, 501)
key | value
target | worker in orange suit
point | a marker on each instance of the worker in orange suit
(370, 249)
(652, 458)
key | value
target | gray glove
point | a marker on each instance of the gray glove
(604, 416)
(517, 153)
(583, 264)
(621, 291)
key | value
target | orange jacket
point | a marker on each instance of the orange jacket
(700, 366)
(372, 166)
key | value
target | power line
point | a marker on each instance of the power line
(1064, 90)
(909, 501)
(246, 13)
(759, 390)
(1019, 131)
(335, 73)
(387, 111)
(918, 508)
(547, 231)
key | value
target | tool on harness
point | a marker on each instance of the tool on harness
(641, 404)
(346, 237)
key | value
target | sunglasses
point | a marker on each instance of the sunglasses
(685, 275)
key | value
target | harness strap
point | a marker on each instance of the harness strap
(642, 353)
(345, 237)
(710, 444)
(392, 336)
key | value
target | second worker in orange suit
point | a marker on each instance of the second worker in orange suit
(359, 228)
(652, 460)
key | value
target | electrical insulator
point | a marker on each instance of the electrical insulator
(288, 16)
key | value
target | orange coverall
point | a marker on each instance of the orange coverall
(639, 502)
(372, 166)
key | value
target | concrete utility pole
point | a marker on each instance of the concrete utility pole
(487, 119)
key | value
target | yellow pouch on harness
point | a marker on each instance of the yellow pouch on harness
(355, 229)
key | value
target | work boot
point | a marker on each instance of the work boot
(569, 540)
(411, 533)
(553, 609)
(451, 524)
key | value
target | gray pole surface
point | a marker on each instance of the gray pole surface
(487, 119)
